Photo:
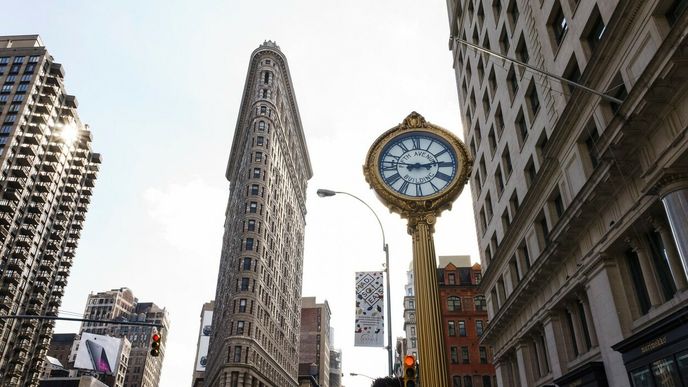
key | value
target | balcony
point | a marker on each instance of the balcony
(69, 188)
(49, 257)
(32, 139)
(67, 262)
(86, 192)
(5, 221)
(63, 271)
(79, 217)
(25, 333)
(61, 281)
(31, 220)
(34, 209)
(51, 157)
(41, 109)
(23, 161)
(79, 162)
(73, 180)
(46, 266)
(54, 301)
(18, 172)
(49, 167)
(5, 303)
(74, 235)
(72, 243)
(20, 254)
(58, 291)
(89, 183)
(27, 231)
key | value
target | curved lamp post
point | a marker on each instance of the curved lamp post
(365, 376)
(323, 193)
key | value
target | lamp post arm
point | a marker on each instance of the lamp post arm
(384, 241)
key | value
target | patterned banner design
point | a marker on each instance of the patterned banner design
(370, 301)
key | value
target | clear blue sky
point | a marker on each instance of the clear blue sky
(160, 83)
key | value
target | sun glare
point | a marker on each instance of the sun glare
(69, 133)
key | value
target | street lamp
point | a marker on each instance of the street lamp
(365, 376)
(323, 193)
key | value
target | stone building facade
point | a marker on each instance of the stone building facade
(48, 171)
(256, 321)
(579, 199)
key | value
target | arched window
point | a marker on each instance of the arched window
(454, 304)
(480, 304)
(266, 77)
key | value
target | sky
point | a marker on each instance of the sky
(160, 82)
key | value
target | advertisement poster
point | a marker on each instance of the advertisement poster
(98, 353)
(204, 340)
(370, 319)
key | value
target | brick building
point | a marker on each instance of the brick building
(464, 316)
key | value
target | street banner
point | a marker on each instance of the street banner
(98, 353)
(370, 303)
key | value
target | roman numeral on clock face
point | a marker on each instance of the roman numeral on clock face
(443, 176)
(392, 178)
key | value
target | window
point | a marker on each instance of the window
(521, 128)
(672, 14)
(249, 243)
(492, 141)
(251, 225)
(451, 279)
(513, 82)
(591, 146)
(261, 125)
(462, 328)
(266, 77)
(6, 88)
(260, 140)
(480, 303)
(487, 381)
(22, 88)
(499, 182)
(513, 14)
(33, 59)
(522, 50)
(247, 263)
(4, 60)
(237, 354)
(479, 327)
(18, 59)
(478, 277)
(617, 90)
(451, 327)
(506, 162)
(488, 207)
(504, 41)
(464, 355)
(242, 305)
(572, 73)
(256, 173)
(499, 121)
(558, 24)
(264, 93)
(258, 157)
(483, 355)
(456, 381)
(253, 207)
(530, 172)
(467, 381)
(254, 189)
(533, 100)
(454, 355)
(244, 284)
(453, 304)
(594, 29)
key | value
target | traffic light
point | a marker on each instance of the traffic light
(410, 371)
(155, 344)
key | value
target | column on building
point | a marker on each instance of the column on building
(674, 258)
(639, 247)
(674, 195)
(524, 361)
(554, 339)
(608, 315)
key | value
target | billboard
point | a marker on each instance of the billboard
(204, 340)
(370, 301)
(98, 353)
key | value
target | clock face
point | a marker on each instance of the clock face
(417, 164)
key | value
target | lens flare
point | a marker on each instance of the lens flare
(69, 133)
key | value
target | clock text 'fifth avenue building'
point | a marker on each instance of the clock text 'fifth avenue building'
(255, 335)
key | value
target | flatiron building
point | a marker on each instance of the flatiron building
(256, 320)
(47, 174)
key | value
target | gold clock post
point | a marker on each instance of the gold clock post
(421, 210)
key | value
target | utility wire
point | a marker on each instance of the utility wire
(34, 317)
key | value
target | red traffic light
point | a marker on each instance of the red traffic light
(155, 344)
(409, 361)
(156, 337)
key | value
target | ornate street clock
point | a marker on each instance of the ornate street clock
(418, 169)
